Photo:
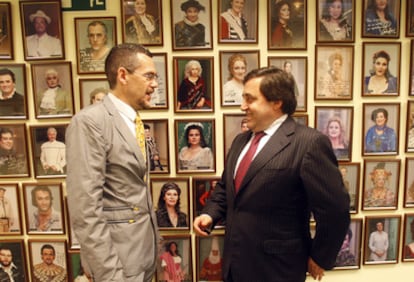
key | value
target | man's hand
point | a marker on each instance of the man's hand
(315, 270)
(201, 224)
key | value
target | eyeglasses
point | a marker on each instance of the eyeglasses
(150, 76)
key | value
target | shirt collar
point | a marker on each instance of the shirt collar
(123, 107)
(275, 125)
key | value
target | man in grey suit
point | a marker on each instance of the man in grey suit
(109, 200)
(293, 174)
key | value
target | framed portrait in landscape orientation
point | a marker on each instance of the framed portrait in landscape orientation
(6, 34)
(388, 26)
(10, 217)
(13, 89)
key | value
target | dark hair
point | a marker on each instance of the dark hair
(101, 23)
(276, 85)
(192, 3)
(123, 55)
(386, 56)
(166, 187)
(146, 126)
(168, 247)
(327, 16)
(8, 72)
(278, 6)
(373, 6)
(203, 143)
(349, 233)
(379, 110)
(47, 246)
(4, 130)
(41, 188)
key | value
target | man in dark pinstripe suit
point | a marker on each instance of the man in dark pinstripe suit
(293, 174)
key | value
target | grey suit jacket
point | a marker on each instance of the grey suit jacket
(267, 222)
(109, 202)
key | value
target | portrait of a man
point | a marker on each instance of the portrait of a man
(13, 158)
(12, 261)
(52, 263)
(9, 209)
(12, 101)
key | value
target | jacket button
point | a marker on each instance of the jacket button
(131, 221)
(136, 209)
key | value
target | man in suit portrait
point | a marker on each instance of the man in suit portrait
(11, 102)
(107, 173)
(267, 200)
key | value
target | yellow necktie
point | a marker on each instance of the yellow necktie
(139, 129)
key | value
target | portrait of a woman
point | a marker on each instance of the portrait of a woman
(189, 31)
(380, 194)
(282, 35)
(379, 19)
(233, 25)
(380, 137)
(168, 212)
(380, 79)
(196, 155)
(171, 261)
(409, 246)
(333, 84)
(333, 24)
(336, 132)
(233, 87)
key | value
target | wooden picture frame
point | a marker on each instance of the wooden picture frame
(95, 37)
(205, 159)
(335, 22)
(159, 98)
(372, 26)
(194, 92)
(294, 35)
(381, 63)
(380, 186)
(386, 117)
(298, 67)
(6, 34)
(75, 272)
(14, 159)
(171, 192)
(411, 77)
(408, 241)
(233, 67)
(157, 145)
(92, 90)
(351, 178)
(44, 197)
(133, 28)
(334, 72)
(230, 31)
(198, 35)
(233, 124)
(49, 150)
(409, 143)
(184, 250)
(16, 248)
(52, 74)
(337, 124)
(13, 82)
(302, 119)
(73, 242)
(209, 270)
(10, 216)
(47, 15)
(391, 227)
(409, 183)
(349, 256)
(54, 250)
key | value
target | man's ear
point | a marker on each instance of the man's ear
(277, 105)
(122, 75)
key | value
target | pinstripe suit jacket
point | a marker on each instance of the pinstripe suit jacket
(267, 223)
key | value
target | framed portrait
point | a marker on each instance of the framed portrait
(92, 90)
(53, 89)
(351, 177)
(179, 245)
(171, 199)
(142, 22)
(382, 235)
(13, 151)
(156, 136)
(43, 205)
(76, 272)
(380, 128)
(52, 251)
(13, 89)
(408, 247)
(191, 25)
(15, 251)
(349, 256)
(6, 34)
(409, 30)
(42, 30)
(336, 123)
(233, 124)
(301, 119)
(409, 148)
(411, 78)
(209, 252)
(195, 145)
(94, 39)
(49, 150)
(334, 72)
(409, 183)
(287, 25)
(233, 67)
(10, 218)
(298, 68)
(159, 98)
(381, 68)
(335, 21)
(73, 241)
(381, 19)
(238, 21)
(381, 182)
(193, 83)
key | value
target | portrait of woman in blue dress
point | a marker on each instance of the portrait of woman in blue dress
(380, 137)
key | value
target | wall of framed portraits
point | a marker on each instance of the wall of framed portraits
(354, 82)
